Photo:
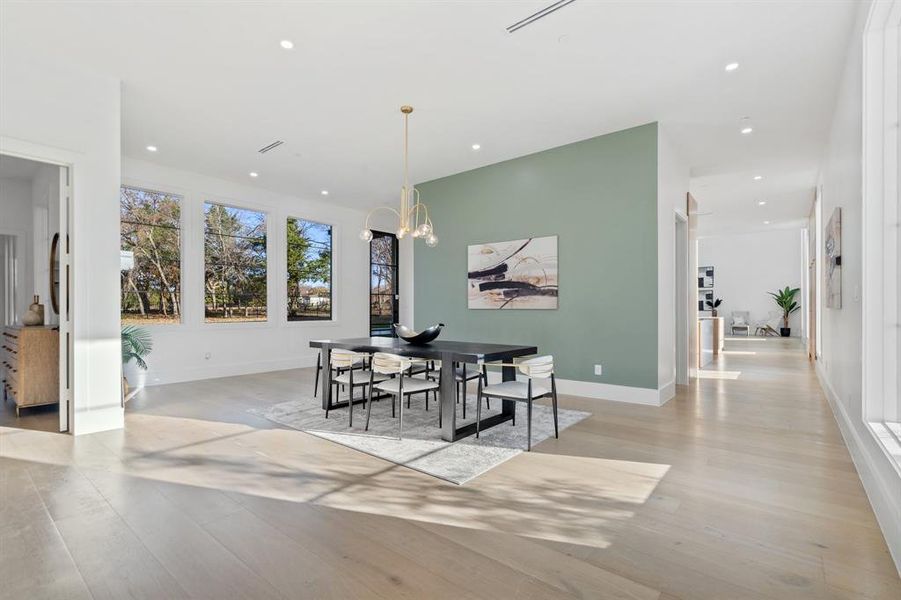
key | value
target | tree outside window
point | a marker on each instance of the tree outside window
(309, 248)
(235, 264)
(150, 256)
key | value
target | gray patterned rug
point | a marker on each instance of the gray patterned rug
(422, 448)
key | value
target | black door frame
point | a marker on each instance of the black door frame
(395, 251)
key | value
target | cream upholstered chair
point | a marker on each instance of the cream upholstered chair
(541, 368)
(384, 364)
(319, 371)
(741, 320)
(346, 363)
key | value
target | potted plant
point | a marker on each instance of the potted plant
(714, 304)
(786, 301)
(136, 344)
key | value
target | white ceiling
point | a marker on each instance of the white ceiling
(209, 84)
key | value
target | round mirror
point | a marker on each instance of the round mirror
(54, 273)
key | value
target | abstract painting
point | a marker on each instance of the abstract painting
(833, 237)
(514, 274)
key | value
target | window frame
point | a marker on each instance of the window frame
(881, 241)
(333, 319)
(396, 266)
(203, 200)
(182, 235)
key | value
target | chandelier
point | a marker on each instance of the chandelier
(413, 216)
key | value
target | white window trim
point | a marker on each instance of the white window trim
(880, 218)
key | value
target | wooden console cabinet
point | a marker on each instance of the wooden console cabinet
(30, 360)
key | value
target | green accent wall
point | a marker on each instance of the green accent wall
(600, 197)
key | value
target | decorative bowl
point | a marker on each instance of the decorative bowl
(418, 338)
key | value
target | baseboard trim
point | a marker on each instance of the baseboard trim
(608, 391)
(878, 490)
(227, 370)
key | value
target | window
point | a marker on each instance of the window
(235, 264)
(309, 248)
(881, 258)
(150, 256)
(383, 304)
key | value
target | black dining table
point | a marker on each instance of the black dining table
(449, 353)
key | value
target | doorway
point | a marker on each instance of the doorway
(384, 298)
(35, 313)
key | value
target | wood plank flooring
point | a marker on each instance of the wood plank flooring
(739, 488)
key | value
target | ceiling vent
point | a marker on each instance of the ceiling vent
(271, 146)
(539, 15)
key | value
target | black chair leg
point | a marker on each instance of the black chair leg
(529, 428)
(554, 399)
(318, 370)
(479, 408)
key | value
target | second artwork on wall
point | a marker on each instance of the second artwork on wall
(513, 274)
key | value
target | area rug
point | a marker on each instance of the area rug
(421, 447)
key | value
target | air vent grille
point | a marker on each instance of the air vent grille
(271, 146)
(538, 15)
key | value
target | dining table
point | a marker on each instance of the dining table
(450, 353)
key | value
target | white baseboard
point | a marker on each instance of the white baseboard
(213, 371)
(608, 391)
(881, 485)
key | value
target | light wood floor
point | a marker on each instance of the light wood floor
(739, 488)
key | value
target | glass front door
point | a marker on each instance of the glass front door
(383, 294)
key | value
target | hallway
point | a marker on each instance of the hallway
(741, 487)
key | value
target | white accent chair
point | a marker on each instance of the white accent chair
(345, 363)
(741, 321)
(540, 367)
(770, 325)
(388, 365)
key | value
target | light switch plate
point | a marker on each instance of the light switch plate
(598, 370)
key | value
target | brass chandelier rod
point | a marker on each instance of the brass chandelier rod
(410, 206)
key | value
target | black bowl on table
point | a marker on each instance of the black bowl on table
(418, 338)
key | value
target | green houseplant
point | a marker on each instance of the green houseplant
(786, 301)
(136, 345)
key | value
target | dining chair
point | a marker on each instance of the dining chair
(345, 363)
(541, 368)
(397, 383)
(319, 370)
(462, 376)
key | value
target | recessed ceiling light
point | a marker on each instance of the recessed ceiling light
(747, 130)
(254, 174)
(731, 66)
(761, 203)
(287, 44)
(151, 148)
(324, 192)
(758, 177)
(476, 146)
(766, 222)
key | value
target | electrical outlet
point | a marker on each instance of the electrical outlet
(207, 356)
(598, 370)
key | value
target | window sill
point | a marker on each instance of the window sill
(888, 438)
(317, 323)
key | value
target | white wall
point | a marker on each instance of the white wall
(672, 189)
(180, 351)
(747, 266)
(58, 113)
(839, 365)
(44, 224)
(15, 219)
